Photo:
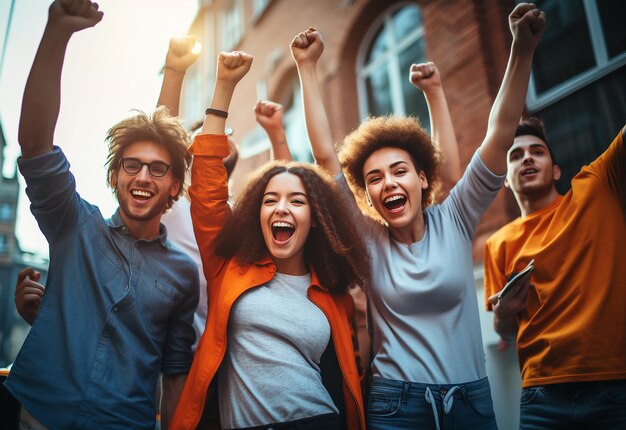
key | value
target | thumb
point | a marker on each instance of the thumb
(493, 299)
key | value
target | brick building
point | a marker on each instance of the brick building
(577, 88)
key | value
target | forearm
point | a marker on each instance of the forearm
(317, 125)
(442, 131)
(42, 94)
(171, 89)
(172, 388)
(222, 95)
(280, 149)
(507, 110)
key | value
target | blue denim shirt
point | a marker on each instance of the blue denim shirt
(116, 312)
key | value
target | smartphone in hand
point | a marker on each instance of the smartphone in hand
(517, 279)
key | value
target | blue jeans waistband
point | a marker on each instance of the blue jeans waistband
(416, 388)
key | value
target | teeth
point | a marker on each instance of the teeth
(282, 224)
(141, 193)
(393, 198)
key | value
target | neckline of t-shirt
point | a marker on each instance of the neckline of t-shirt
(297, 278)
(539, 212)
(412, 244)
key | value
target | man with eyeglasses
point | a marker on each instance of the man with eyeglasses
(120, 298)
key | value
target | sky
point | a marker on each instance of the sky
(109, 70)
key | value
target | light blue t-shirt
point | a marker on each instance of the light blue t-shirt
(421, 299)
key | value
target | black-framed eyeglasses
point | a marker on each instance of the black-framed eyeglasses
(132, 166)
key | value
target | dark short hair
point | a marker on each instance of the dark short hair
(533, 126)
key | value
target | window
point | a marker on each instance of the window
(258, 7)
(232, 24)
(583, 42)
(295, 126)
(577, 83)
(396, 41)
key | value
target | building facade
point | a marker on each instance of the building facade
(577, 87)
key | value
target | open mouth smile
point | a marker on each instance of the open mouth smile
(395, 203)
(141, 194)
(282, 231)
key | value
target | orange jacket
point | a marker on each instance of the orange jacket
(227, 280)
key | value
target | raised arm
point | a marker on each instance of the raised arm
(209, 189)
(269, 115)
(527, 24)
(231, 67)
(182, 53)
(306, 49)
(426, 77)
(42, 94)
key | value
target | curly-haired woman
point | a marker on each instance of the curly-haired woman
(428, 367)
(277, 350)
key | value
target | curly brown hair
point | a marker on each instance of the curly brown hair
(160, 128)
(389, 131)
(333, 248)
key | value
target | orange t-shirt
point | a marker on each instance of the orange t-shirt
(574, 326)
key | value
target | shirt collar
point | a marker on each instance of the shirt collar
(117, 223)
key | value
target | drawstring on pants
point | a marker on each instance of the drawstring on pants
(448, 401)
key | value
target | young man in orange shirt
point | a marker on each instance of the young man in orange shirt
(569, 318)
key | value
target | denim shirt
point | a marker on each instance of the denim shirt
(116, 312)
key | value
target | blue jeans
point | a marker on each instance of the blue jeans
(580, 405)
(408, 405)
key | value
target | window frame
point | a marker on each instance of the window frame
(603, 67)
(389, 57)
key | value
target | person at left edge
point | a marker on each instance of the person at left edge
(119, 298)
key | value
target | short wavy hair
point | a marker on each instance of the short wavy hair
(160, 128)
(390, 131)
(333, 248)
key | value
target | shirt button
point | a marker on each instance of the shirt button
(114, 308)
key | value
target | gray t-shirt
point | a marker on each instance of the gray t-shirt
(271, 374)
(421, 299)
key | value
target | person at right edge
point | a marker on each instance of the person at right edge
(569, 319)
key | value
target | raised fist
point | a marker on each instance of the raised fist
(269, 115)
(307, 46)
(425, 76)
(527, 23)
(182, 53)
(232, 66)
(28, 294)
(74, 15)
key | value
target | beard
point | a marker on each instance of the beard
(156, 209)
